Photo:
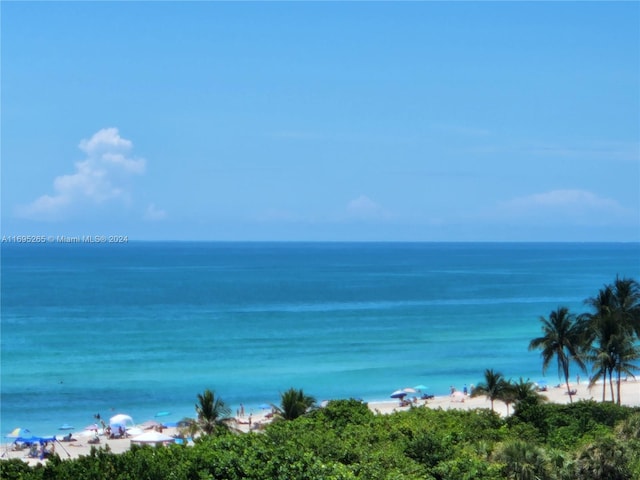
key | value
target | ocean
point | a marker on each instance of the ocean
(143, 327)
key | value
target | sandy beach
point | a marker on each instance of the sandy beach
(81, 446)
(630, 397)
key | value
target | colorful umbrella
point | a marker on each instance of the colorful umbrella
(399, 394)
(19, 432)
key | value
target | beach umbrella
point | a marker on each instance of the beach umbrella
(121, 419)
(399, 394)
(66, 426)
(409, 390)
(155, 438)
(421, 387)
(19, 432)
(162, 414)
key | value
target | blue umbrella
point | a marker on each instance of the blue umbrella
(399, 394)
(421, 387)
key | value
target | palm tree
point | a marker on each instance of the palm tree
(188, 427)
(627, 304)
(562, 338)
(523, 461)
(624, 352)
(606, 458)
(211, 412)
(293, 404)
(629, 429)
(508, 395)
(602, 366)
(598, 328)
(493, 387)
(526, 390)
(611, 329)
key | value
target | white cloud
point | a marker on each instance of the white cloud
(107, 139)
(103, 176)
(365, 208)
(154, 213)
(566, 205)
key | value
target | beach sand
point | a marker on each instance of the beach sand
(630, 397)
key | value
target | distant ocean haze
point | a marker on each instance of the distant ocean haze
(143, 327)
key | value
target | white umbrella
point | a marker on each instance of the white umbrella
(121, 419)
(152, 438)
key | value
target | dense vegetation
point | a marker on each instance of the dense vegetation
(345, 440)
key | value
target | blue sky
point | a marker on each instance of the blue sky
(322, 121)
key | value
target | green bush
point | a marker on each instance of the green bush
(346, 441)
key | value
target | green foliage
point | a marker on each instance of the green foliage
(581, 417)
(293, 404)
(15, 469)
(346, 441)
(468, 465)
(340, 413)
(605, 459)
(523, 461)
(563, 338)
(212, 412)
(494, 387)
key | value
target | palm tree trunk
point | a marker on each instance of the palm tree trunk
(566, 379)
(613, 398)
(569, 391)
(618, 384)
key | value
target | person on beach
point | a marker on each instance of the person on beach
(464, 390)
(453, 389)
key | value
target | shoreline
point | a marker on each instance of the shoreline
(630, 391)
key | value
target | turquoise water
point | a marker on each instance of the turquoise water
(140, 328)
